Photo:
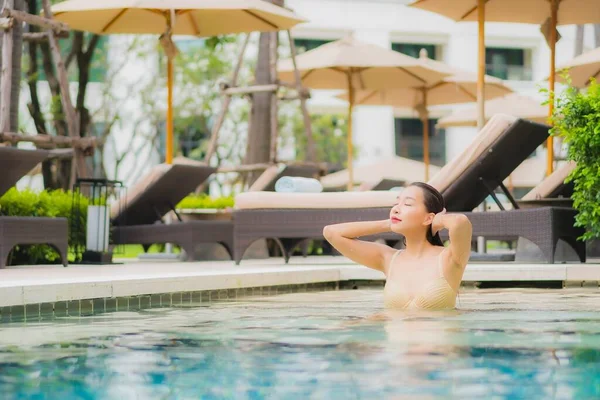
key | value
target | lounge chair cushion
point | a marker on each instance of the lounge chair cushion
(494, 128)
(157, 192)
(274, 200)
(16, 163)
(499, 149)
(551, 184)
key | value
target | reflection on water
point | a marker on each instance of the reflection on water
(505, 344)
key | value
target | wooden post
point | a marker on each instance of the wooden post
(310, 143)
(214, 136)
(550, 141)
(230, 91)
(50, 141)
(169, 122)
(425, 120)
(5, 88)
(481, 65)
(78, 164)
(274, 109)
(45, 23)
(349, 138)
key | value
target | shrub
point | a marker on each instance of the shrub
(42, 204)
(577, 119)
(205, 201)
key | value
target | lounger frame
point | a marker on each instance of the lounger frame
(14, 230)
(543, 226)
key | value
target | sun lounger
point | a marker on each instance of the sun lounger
(290, 218)
(473, 176)
(465, 182)
(552, 191)
(14, 164)
(138, 217)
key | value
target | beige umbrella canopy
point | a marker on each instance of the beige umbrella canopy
(173, 17)
(548, 13)
(456, 89)
(395, 168)
(353, 65)
(513, 104)
(192, 17)
(581, 69)
(460, 87)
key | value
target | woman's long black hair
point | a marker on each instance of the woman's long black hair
(434, 203)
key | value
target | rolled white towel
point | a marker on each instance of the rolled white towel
(297, 184)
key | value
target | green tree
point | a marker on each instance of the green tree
(82, 58)
(329, 133)
(577, 120)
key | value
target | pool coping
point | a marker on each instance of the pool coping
(88, 289)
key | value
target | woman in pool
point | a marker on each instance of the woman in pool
(425, 275)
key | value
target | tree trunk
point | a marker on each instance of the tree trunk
(259, 135)
(596, 35)
(84, 63)
(35, 108)
(17, 51)
(579, 40)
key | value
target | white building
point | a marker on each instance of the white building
(517, 53)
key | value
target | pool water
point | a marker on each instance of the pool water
(508, 343)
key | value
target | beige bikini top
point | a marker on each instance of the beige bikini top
(434, 295)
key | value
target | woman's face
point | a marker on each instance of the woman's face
(409, 213)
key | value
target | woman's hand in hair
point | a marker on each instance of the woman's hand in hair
(438, 222)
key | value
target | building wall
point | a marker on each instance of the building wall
(383, 22)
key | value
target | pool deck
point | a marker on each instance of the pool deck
(46, 284)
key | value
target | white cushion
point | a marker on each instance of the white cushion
(271, 200)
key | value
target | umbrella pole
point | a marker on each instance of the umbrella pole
(481, 64)
(425, 121)
(349, 138)
(169, 152)
(550, 141)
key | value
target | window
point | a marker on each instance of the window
(413, 49)
(304, 45)
(409, 140)
(507, 64)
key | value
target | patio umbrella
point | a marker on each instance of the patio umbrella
(581, 69)
(548, 13)
(353, 65)
(460, 87)
(513, 104)
(199, 18)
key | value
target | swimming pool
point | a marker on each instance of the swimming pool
(508, 343)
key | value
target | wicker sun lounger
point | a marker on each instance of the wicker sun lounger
(484, 165)
(138, 217)
(552, 191)
(465, 182)
(14, 164)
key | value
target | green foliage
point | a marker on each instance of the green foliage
(205, 201)
(329, 133)
(577, 119)
(200, 66)
(55, 203)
